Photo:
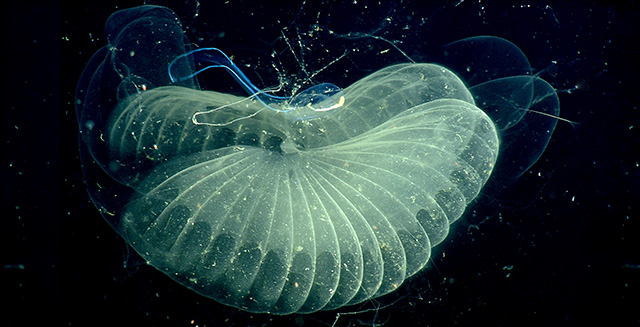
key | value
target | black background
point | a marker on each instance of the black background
(561, 248)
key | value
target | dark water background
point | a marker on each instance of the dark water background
(560, 249)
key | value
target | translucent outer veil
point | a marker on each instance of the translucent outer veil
(271, 214)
